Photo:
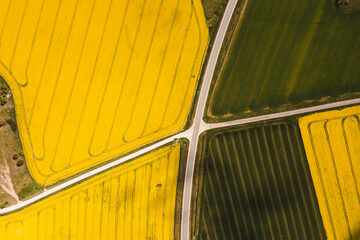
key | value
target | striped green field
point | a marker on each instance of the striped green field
(286, 55)
(255, 183)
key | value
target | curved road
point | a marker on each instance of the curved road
(192, 134)
(198, 122)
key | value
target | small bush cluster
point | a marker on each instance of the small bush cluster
(4, 91)
(338, 3)
(12, 124)
(20, 162)
(3, 101)
(19, 158)
(28, 190)
(4, 204)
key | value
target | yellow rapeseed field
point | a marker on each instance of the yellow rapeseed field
(332, 146)
(132, 201)
(93, 80)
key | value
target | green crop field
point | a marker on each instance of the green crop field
(285, 55)
(255, 184)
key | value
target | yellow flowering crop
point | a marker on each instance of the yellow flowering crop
(331, 142)
(132, 201)
(93, 80)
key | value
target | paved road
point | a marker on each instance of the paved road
(283, 114)
(198, 122)
(192, 134)
(89, 174)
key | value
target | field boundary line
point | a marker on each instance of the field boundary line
(262, 166)
(198, 122)
(243, 187)
(159, 73)
(242, 7)
(188, 25)
(216, 189)
(218, 152)
(309, 183)
(5, 21)
(43, 67)
(56, 87)
(207, 126)
(134, 43)
(58, 188)
(71, 92)
(321, 179)
(113, 58)
(34, 38)
(349, 153)
(291, 180)
(193, 66)
(18, 35)
(257, 178)
(143, 71)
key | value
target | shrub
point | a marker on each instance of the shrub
(2, 123)
(3, 87)
(28, 190)
(25, 191)
(12, 124)
(15, 156)
(4, 91)
(3, 101)
(20, 162)
(21, 153)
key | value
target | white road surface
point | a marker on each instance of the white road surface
(198, 122)
(192, 134)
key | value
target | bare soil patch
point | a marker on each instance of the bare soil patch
(13, 170)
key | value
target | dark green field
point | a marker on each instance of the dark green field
(286, 55)
(255, 184)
